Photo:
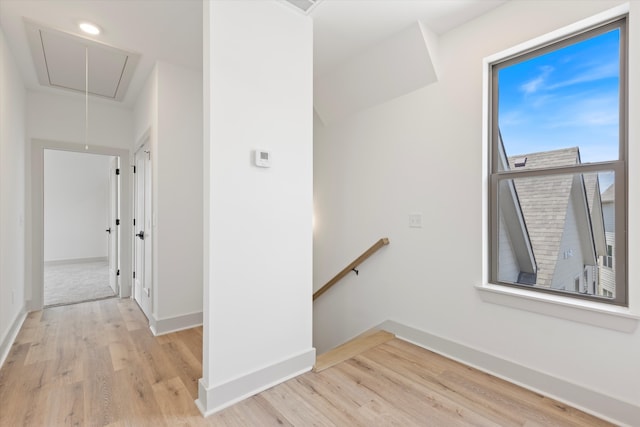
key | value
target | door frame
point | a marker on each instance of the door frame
(34, 250)
(113, 238)
(146, 301)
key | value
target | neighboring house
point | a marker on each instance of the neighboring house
(516, 261)
(562, 220)
(596, 210)
(607, 198)
(607, 266)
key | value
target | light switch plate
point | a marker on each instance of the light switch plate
(415, 220)
(263, 158)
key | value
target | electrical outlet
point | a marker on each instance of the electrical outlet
(415, 220)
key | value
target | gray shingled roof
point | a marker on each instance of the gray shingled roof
(544, 201)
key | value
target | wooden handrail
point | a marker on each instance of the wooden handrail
(380, 243)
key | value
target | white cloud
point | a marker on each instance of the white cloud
(587, 114)
(601, 72)
(534, 85)
(512, 118)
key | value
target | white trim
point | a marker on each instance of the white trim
(583, 311)
(592, 313)
(174, 324)
(10, 337)
(212, 399)
(603, 406)
(76, 261)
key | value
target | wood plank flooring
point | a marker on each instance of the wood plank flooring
(351, 349)
(97, 364)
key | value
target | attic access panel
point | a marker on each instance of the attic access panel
(60, 62)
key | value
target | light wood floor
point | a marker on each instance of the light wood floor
(97, 364)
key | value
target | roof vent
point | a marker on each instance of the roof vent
(306, 6)
(519, 162)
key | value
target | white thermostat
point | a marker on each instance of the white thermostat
(263, 158)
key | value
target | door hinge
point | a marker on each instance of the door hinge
(134, 169)
(134, 274)
(117, 171)
(118, 272)
(117, 222)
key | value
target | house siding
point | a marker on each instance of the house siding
(608, 275)
(608, 213)
(569, 263)
(508, 268)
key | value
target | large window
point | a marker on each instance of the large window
(558, 166)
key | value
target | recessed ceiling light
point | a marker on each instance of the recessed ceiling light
(89, 28)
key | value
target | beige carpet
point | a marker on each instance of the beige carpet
(73, 283)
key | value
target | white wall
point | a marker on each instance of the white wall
(179, 197)
(170, 109)
(257, 300)
(61, 117)
(423, 153)
(76, 205)
(145, 112)
(12, 201)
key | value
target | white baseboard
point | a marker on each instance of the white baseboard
(174, 324)
(215, 398)
(10, 337)
(76, 261)
(593, 402)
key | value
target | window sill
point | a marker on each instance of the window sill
(589, 312)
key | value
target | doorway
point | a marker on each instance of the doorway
(81, 206)
(118, 242)
(143, 227)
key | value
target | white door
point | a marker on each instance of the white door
(112, 226)
(143, 279)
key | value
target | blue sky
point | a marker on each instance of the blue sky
(565, 98)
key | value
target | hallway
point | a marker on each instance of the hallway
(97, 363)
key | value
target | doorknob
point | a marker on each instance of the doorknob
(108, 230)
(141, 235)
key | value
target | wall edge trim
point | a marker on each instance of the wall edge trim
(212, 399)
(11, 335)
(76, 261)
(175, 324)
(590, 401)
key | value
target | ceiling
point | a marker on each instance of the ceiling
(165, 30)
(171, 30)
(343, 28)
